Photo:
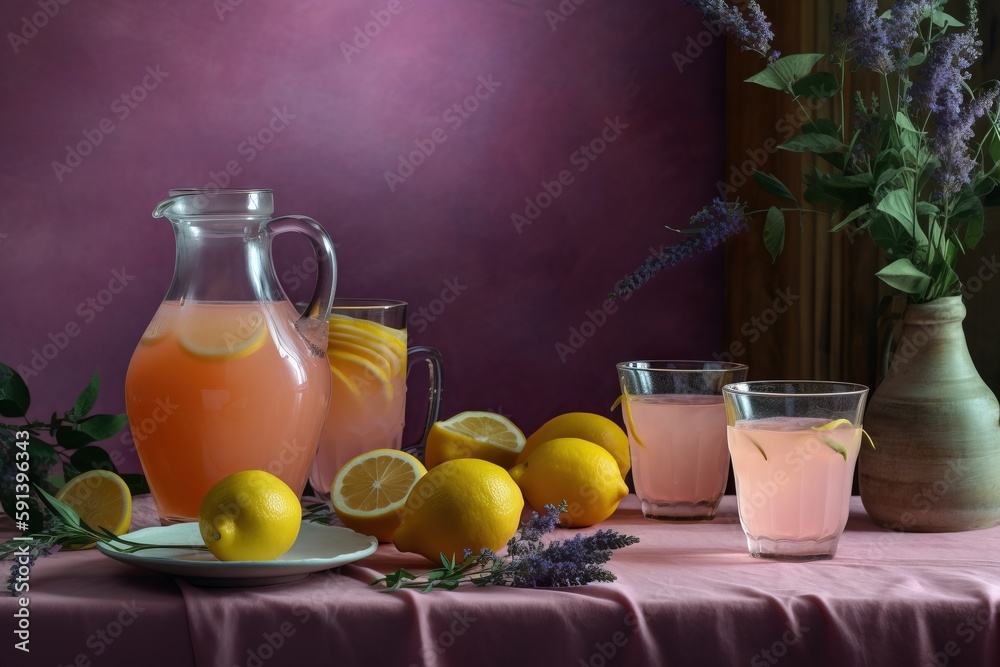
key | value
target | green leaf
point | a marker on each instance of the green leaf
(784, 72)
(917, 59)
(886, 177)
(137, 484)
(822, 126)
(92, 458)
(14, 395)
(927, 208)
(101, 427)
(63, 511)
(818, 85)
(771, 185)
(905, 277)
(903, 122)
(85, 401)
(71, 438)
(898, 205)
(814, 143)
(854, 215)
(974, 224)
(774, 232)
(944, 20)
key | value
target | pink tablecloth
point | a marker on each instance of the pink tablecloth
(685, 595)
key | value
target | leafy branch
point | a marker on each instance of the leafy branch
(28, 454)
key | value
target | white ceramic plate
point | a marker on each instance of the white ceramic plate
(316, 548)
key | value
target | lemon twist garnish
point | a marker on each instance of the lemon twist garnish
(623, 401)
(837, 422)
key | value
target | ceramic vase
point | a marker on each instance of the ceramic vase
(936, 429)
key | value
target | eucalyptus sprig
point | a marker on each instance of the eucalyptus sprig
(29, 455)
(528, 562)
(64, 528)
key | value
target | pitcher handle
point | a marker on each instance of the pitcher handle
(433, 357)
(314, 323)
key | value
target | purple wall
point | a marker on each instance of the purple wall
(200, 78)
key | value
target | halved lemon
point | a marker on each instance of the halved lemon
(101, 498)
(226, 333)
(474, 435)
(369, 492)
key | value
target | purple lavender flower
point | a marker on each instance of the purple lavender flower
(903, 27)
(864, 34)
(753, 33)
(719, 221)
(941, 92)
(951, 144)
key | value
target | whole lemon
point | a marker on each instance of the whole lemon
(585, 426)
(579, 472)
(249, 515)
(458, 505)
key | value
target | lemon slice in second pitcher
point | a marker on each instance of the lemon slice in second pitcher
(222, 332)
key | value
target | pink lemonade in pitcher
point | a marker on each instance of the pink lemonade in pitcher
(368, 398)
(678, 448)
(794, 476)
(216, 388)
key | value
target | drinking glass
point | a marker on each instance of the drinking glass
(369, 362)
(677, 434)
(794, 446)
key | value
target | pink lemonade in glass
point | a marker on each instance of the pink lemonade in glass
(678, 448)
(796, 501)
(216, 388)
(368, 362)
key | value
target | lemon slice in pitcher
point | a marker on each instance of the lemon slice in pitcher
(222, 332)
(368, 377)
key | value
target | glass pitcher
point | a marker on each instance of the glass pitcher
(229, 376)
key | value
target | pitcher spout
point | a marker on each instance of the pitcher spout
(187, 202)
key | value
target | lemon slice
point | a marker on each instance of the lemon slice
(476, 435)
(369, 492)
(380, 332)
(368, 377)
(101, 498)
(226, 333)
(362, 351)
(396, 359)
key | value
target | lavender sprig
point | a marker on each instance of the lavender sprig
(753, 32)
(718, 222)
(528, 563)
